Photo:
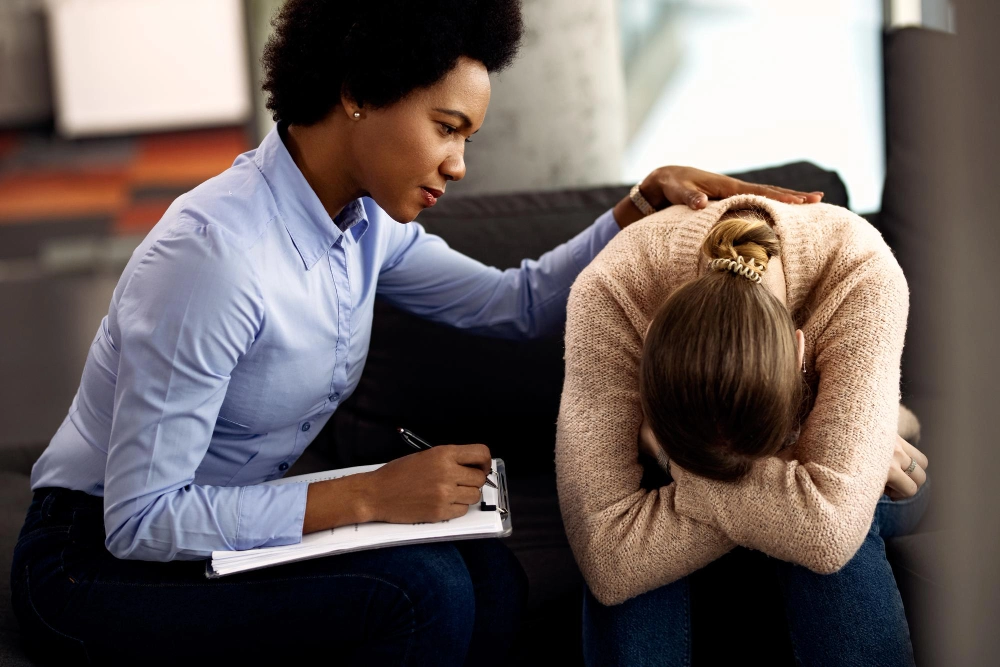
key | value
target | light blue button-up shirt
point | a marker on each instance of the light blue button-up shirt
(238, 326)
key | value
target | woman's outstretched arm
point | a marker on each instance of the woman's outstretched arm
(816, 511)
(627, 540)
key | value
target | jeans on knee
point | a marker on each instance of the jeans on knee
(430, 604)
(650, 629)
(851, 617)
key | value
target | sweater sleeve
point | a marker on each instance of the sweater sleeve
(627, 540)
(815, 511)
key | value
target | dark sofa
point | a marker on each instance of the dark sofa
(453, 387)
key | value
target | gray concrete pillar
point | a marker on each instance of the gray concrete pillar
(557, 117)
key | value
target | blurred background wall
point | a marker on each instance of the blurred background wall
(123, 66)
(109, 109)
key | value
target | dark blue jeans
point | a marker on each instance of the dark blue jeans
(432, 604)
(851, 617)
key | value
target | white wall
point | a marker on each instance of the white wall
(137, 65)
(902, 13)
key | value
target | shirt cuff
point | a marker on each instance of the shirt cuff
(271, 516)
(586, 245)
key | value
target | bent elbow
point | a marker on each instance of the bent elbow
(601, 575)
(121, 546)
(124, 542)
(832, 557)
(612, 581)
(135, 548)
(608, 595)
(825, 564)
(611, 591)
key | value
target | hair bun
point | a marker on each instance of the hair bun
(744, 241)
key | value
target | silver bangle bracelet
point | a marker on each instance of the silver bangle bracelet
(640, 202)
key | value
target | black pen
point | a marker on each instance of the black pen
(419, 444)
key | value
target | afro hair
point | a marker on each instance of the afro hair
(377, 51)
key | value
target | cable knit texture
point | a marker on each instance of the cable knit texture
(814, 507)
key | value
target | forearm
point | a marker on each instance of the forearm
(626, 212)
(338, 502)
(638, 544)
(806, 514)
(814, 509)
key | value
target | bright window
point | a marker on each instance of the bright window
(738, 84)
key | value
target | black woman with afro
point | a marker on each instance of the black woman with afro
(239, 326)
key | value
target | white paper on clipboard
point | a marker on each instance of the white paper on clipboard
(476, 523)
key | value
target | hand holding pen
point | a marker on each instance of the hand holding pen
(419, 444)
(433, 484)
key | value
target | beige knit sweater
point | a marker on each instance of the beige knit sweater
(847, 294)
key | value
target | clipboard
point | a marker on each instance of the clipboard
(490, 517)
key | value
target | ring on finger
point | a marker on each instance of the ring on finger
(912, 467)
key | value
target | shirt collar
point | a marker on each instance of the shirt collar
(352, 215)
(308, 224)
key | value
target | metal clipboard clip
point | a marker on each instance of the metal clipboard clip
(503, 498)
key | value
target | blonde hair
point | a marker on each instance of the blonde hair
(718, 378)
(743, 233)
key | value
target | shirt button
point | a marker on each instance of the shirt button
(306, 427)
(283, 467)
(334, 397)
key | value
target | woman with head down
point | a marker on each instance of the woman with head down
(752, 350)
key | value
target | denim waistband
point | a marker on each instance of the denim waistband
(52, 502)
(81, 513)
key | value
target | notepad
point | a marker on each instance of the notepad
(488, 518)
